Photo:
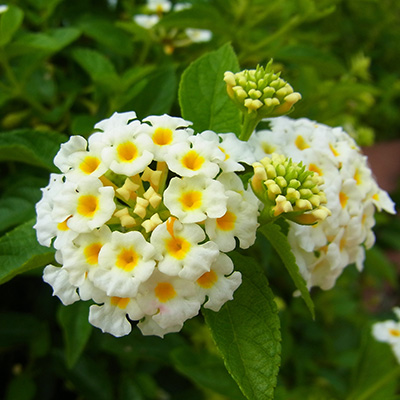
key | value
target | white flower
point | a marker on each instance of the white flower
(159, 6)
(116, 121)
(125, 262)
(194, 199)
(3, 8)
(146, 21)
(181, 253)
(84, 205)
(198, 35)
(111, 316)
(219, 283)
(76, 162)
(80, 257)
(182, 6)
(167, 302)
(200, 158)
(58, 278)
(165, 131)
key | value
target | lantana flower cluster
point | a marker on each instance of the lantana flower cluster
(141, 217)
(389, 332)
(323, 250)
(171, 38)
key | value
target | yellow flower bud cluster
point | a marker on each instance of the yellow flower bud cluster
(261, 91)
(286, 187)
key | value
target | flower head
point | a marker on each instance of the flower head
(133, 224)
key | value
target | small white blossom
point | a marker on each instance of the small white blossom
(198, 35)
(146, 21)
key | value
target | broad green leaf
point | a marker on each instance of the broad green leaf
(206, 370)
(50, 42)
(31, 147)
(280, 243)
(247, 332)
(98, 67)
(107, 34)
(76, 329)
(21, 252)
(10, 21)
(17, 203)
(202, 92)
(377, 373)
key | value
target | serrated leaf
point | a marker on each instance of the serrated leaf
(76, 329)
(280, 243)
(202, 92)
(206, 370)
(31, 147)
(247, 332)
(21, 252)
(98, 67)
(10, 21)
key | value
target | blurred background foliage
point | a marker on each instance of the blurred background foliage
(65, 65)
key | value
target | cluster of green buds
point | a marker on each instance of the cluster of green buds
(260, 92)
(288, 189)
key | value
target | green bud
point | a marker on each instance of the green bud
(298, 199)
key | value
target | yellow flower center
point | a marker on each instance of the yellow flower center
(343, 198)
(207, 280)
(357, 177)
(191, 200)
(89, 164)
(178, 247)
(120, 302)
(162, 136)
(227, 221)
(314, 168)
(226, 154)
(334, 151)
(164, 292)
(394, 332)
(91, 253)
(127, 152)
(127, 259)
(300, 143)
(192, 160)
(88, 205)
(62, 226)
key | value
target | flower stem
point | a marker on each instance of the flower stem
(250, 121)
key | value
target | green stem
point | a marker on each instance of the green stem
(250, 121)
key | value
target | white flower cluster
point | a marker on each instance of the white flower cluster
(174, 37)
(141, 216)
(322, 251)
(389, 332)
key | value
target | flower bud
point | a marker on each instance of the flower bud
(287, 188)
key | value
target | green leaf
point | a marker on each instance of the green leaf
(206, 370)
(280, 243)
(31, 147)
(107, 34)
(377, 372)
(202, 92)
(50, 42)
(153, 94)
(200, 16)
(21, 252)
(76, 329)
(17, 204)
(21, 387)
(10, 21)
(246, 331)
(98, 67)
